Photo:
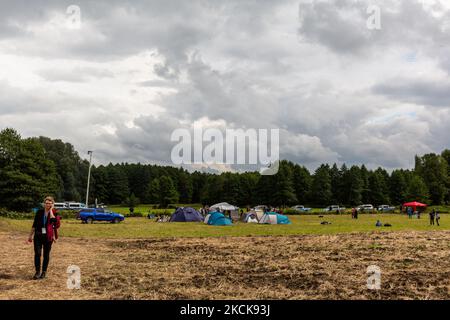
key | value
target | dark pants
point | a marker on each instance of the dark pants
(431, 221)
(41, 242)
(437, 221)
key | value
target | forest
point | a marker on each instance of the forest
(31, 168)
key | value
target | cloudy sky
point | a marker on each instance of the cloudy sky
(134, 71)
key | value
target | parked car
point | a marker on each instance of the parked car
(385, 208)
(334, 208)
(75, 205)
(60, 206)
(365, 208)
(301, 208)
(89, 215)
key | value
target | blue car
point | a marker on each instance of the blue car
(98, 214)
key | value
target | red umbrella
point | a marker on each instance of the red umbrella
(414, 205)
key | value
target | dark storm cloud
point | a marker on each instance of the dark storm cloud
(233, 62)
(421, 92)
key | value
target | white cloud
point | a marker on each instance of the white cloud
(137, 70)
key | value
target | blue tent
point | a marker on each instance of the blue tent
(274, 218)
(217, 219)
(186, 214)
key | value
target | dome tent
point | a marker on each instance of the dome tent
(259, 210)
(228, 209)
(186, 214)
(217, 219)
(250, 217)
(274, 218)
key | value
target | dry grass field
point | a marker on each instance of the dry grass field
(414, 265)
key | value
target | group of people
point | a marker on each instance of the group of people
(434, 215)
(410, 212)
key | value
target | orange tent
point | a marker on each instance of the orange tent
(414, 205)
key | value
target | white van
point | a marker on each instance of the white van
(75, 205)
(60, 205)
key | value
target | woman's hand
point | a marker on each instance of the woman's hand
(52, 215)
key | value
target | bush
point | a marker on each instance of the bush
(133, 215)
(68, 214)
(64, 214)
(16, 215)
(292, 212)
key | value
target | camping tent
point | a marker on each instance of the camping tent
(223, 207)
(250, 217)
(274, 218)
(260, 211)
(414, 205)
(217, 219)
(186, 214)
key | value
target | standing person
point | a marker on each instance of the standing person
(43, 233)
(438, 217)
(409, 211)
(356, 213)
(432, 215)
(353, 213)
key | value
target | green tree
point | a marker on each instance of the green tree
(69, 167)
(433, 169)
(26, 174)
(185, 187)
(153, 191)
(336, 184)
(365, 192)
(302, 181)
(321, 186)
(284, 192)
(446, 155)
(167, 192)
(398, 187)
(377, 186)
(117, 183)
(132, 201)
(418, 190)
(354, 186)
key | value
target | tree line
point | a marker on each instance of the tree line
(33, 167)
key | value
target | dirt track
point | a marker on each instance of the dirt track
(415, 265)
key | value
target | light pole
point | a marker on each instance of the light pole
(89, 177)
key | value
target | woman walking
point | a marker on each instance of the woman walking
(43, 232)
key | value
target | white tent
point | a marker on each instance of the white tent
(250, 217)
(274, 218)
(259, 214)
(223, 206)
(268, 219)
(260, 211)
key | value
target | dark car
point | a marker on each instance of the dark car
(98, 214)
